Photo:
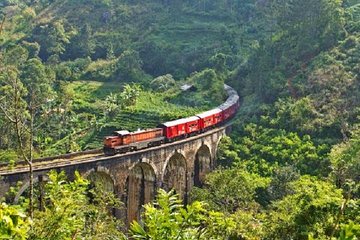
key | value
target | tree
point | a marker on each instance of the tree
(28, 14)
(349, 231)
(296, 31)
(219, 62)
(25, 88)
(223, 191)
(163, 83)
(111, 105)
(14, 107)
(73, 210)
(280, 185)
(2, 24)
(263, 149)
(210, 83)
(129, 94)
(331, 89)
(313, 24)
(295, 115)
(227, 152)
(345, 161)
(310, 210)
(167, 218)
(14, 223)
(128, 67)
(81, 45)
(38, 84)
(33, 48)
(52, 38)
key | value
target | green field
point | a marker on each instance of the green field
(150, 109)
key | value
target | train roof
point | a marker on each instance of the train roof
(209, 113)
(227, 87)
(233, 98)
(180, 121)
(122, 132)
(229, 102)
(126, 132)
(229, 90)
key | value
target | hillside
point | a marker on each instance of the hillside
(72, 71)
(170, 38)
(111, 43)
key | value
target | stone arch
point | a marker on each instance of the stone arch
(175, 175)
(102, 180)
(141, 184)
(202, 165)
(209, 143)
(220, 138)
(37, 180)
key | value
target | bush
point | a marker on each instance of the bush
(163, 83)
(8, 156)
(350, 42)
(100, 70)
(77, 69)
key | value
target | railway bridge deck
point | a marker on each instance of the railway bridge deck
(134, 176)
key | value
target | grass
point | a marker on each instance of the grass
(89, 96)
(93, 90)
(151, 108)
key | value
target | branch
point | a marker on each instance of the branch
(19, 138)
(2, 24)
(7, 115)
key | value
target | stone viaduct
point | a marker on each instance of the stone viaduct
(135, 177)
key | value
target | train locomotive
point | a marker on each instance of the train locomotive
(125, 141)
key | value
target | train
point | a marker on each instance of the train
(124, 141)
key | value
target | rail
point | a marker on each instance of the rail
(87, 157)
(95, 155)
(62, 156)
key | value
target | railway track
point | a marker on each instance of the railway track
(228, 109)
(48, 163)
(89, 156)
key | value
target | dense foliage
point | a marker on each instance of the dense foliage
(65, 210)
(14, 223)
(73, 71)
(167, 218)
(76, 210)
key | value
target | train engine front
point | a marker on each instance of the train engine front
(116, 143)
(125, 141)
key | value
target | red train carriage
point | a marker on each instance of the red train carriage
(210, 118)
(180, 128)
(229, 108)
(124, 141)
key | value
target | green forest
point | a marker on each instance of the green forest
(72, 71)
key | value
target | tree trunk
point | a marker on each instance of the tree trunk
(31, 188)
(2, 24)
(30, 162)
(41, 194)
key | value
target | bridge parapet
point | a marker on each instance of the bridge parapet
(134, 177)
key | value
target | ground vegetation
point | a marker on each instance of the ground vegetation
(73, 71)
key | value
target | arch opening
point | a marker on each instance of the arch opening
(175, 175)
(103, 185)
(24, 192)
(101, 180)
(202, 165)
(141, 184)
